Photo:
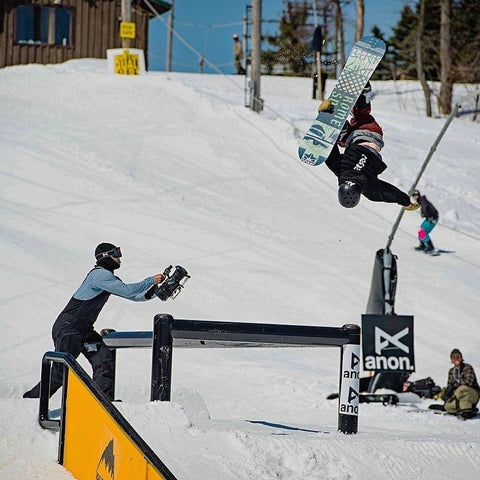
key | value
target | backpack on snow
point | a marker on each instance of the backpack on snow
(424, 388)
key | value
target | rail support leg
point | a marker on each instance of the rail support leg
(162, 358)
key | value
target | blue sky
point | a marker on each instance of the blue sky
(207, 27)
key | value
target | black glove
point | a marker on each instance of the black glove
(150, 292)
(92, 337)
(448, 393)
(91, 341)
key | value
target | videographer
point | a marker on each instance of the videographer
(73, 330)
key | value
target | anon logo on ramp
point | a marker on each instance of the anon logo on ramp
(383, 340)
(105, 468)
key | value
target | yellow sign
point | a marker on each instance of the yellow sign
(95, 446)
(127, 64)
(127, 29)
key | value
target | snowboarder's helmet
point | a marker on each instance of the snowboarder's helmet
(106, 250)
(349, 194)
(235, 36)
(416, 193)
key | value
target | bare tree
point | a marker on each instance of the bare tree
(340, 42)
(360, 20)
(446, 74)
(420, 66)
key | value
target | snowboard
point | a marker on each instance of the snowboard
(320, 138)
(365, 397)
(463, 415)
(383, 398)
(436, 252)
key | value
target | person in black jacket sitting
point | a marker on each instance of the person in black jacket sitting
(430, 213)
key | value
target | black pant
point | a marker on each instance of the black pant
(68, 339)
(347, 168)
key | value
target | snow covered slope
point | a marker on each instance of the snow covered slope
(174, 169)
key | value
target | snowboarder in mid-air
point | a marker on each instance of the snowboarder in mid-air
(358, 167)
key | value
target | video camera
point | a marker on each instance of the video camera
(171, 286)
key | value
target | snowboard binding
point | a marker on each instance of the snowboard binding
(172, 285)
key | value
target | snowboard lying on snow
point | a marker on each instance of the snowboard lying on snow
(409, 398)
(437, 409)
(384, 398)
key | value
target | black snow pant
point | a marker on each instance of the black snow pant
(68, 339)
(362, 166)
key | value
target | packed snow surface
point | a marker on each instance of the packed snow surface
(175, 170)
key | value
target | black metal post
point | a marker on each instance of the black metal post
(45, 377)
(113, 352)
(162, 357)
(44, 390)
(349, 382)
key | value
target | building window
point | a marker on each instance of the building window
(36, 25)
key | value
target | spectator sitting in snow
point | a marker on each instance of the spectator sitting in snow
(462, 392)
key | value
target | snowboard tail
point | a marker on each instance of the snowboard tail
(321, 137)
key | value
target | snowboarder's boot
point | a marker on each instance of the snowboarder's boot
(420, 247)
(429, 247)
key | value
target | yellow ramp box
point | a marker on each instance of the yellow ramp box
(99, 445)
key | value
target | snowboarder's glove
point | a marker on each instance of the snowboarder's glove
(412, 206)
(326, 106)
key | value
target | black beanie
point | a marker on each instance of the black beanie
(103, 248)
(457, 351)
(106, 262)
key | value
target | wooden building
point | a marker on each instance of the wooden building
(53, 31)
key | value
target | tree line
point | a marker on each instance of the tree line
(433, 41)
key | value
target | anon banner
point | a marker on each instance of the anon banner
(387, 343)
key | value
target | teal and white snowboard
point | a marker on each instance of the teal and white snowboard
(320, 138)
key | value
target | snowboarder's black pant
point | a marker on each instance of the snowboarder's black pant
(361, 165)
(68, 339)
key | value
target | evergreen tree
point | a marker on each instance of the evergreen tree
(465, 41)
(385, 70)
(404, 42)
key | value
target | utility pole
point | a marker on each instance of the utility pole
(126, 17)
(168, 66)
(257, 103)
